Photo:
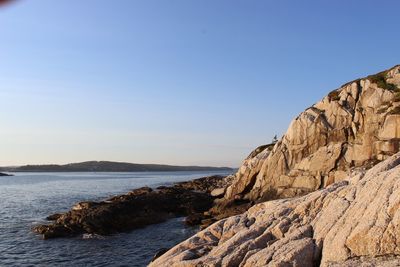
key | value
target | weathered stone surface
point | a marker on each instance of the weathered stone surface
(249, 170)
(356, 125)
(391, 128)
(355, 222)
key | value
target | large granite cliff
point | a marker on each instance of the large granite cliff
(355, 125)
(328, 210)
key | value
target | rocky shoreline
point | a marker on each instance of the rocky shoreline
(5, 174)
(325, 194)
(138, 208)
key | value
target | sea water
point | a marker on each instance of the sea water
(27, 198)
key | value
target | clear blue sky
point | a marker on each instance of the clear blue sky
(177, 82)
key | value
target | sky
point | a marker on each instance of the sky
(175, 81)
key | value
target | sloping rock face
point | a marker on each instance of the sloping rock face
(356, 125)
(354, 222)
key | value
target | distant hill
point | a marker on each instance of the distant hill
(108, 166)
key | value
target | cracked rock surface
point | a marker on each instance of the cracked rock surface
(357, 125)
(354, 222)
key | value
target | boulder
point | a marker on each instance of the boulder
(218, 192)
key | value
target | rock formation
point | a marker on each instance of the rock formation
(138, 208)
(355, 125)
(353, 222)
(352, 218)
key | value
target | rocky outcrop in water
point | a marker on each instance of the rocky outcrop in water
(138, 208)
(5, 174)
(354, 222)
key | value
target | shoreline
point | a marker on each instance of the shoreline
(138, 208)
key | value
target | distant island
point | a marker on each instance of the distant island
(109, 166)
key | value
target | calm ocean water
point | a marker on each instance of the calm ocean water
(27, 198)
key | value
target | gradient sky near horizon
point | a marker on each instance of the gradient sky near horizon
(175, 81)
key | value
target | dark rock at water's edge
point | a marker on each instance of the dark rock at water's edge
(138, 208)
(159, 253)
(5, 174)
(53, 217)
